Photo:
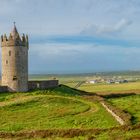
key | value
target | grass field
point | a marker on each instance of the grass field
(130, 104)
(51, 109)
(60, 109)
(111, 88)
(120, 135)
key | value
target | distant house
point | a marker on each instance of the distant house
(116, 81)
(124, 81)
(110, 82)
(92, 81)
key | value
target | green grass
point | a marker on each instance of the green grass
(64, 108)
(40, 113)
(109, 135)
(47, 109)
(110, 87)
(71, 84)
(118, 135)
(130, 104)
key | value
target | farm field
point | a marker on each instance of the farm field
(100, 88)
(111, 88)
(63, 79)
(72, 80)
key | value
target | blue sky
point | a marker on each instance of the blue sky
(77, 35)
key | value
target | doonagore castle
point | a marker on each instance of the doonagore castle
(15, 65)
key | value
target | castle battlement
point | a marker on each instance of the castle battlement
(14, 39)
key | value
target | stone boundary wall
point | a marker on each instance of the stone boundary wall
(117, 113)
(35, 85)
(42, 84)
(122, 117)
(119, 119)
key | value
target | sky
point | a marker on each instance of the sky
(76, 36)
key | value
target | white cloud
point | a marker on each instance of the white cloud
(46, 17)
(67, 16)
(79, 57)
(62, 51)
(106, 30)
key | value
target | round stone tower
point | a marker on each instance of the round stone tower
(15, 61)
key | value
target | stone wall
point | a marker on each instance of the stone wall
(3, 89)
(15, 68)
(15, 61)
(35, 85)
(42, 84)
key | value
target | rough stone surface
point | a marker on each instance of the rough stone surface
(42, 84)
(15, 65)
(15, 62)
(119, 119)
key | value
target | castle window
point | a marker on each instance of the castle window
(6, 61)
(9, 53)
(14, 78)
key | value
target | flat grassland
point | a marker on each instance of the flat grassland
(111, 88)
(100, 88)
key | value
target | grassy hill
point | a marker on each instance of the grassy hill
(60, 113)
(51, 109)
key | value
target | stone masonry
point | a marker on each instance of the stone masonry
(15, 64)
